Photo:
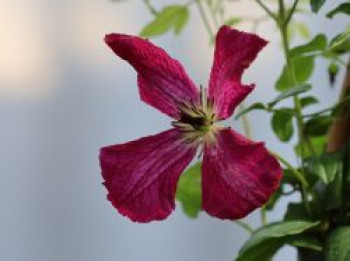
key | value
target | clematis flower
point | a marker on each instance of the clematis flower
(238, 175)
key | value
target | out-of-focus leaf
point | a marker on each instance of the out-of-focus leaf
(289, 177)
(318, 43)
(338, 245)
(326, 166)
(290, 93)
(170, 17)
(307, 101)
(316, 5)
(334, 192)
(304, 241)
(346, 168)
(233, 21)
(318, 126)
(296, 211)
(254, 106)
(333, 70)
(302, 29)
(282, 124)
(263, 251)
(189, 191)
(343, 8)
(273, 199)
(340, 43)
(303, 68)
(318, 143)
(271, 237)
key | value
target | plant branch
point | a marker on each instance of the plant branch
(291, 12)
(245, 226)
(297, 173)
(283, 28)
(205, 19)
(263, 215)
(150, 7)
(267, 10)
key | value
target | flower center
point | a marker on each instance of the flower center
(197, 119)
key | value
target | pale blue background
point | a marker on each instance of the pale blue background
(63, 95)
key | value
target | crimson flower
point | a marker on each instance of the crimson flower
(238, 175)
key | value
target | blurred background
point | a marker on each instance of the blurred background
(63, 95)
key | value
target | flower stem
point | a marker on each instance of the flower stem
(282, 24)
(296, 172)
(263, 215)
(245, 226)
(150, 7)
(267, 10)
(291, 12)
(245, 122)
(205, 19)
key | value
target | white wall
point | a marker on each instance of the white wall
(63, 95)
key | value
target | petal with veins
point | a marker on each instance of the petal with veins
(234, 52)
(238, 175)
(141, 176)
(162, 81)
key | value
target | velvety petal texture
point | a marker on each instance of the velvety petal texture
(162, 81)
(141, 176)
(238, 175)
(234, 52)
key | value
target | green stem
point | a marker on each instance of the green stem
(213, 15)
(267, 10)
(245, 226)
(291, 12)
(150, 7)
(245, 122)
(296, 172)
(329, 109)
(205, 19)
(263, 215)
(283, 28)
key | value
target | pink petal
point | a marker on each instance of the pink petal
(162, 81)
(141, 176)
(238, 175)
(234, 51)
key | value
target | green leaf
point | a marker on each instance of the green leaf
(343, 8)
(254, 106)
(261, 252)
(316, 5)
(296, 211)
(334, 192)
(233, 21)
(318, 43)
(282, 124)
(271, 237)
(189, 191)
(289, 177)
(304, 241)
(307, 101)
(333, 69)
(273, 199)
(318, 126)
(318, 143)
(303, 68)
(302, 29)
(326, 166)
(170, 17)
(340, 43)
(290, 93)
(338, 245)
(346, 168)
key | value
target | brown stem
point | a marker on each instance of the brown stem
(339, 131)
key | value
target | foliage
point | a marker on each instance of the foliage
(320, 222)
